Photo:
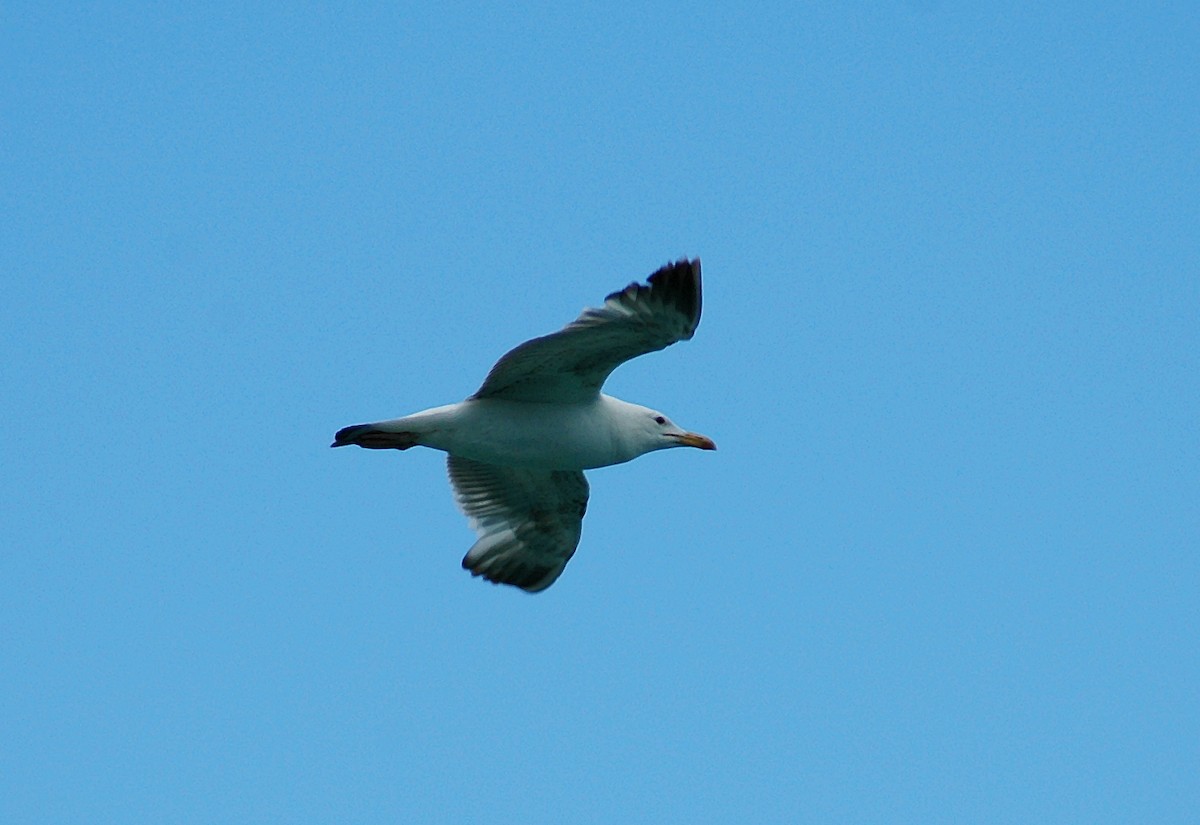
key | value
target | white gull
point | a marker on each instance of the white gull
(518, 447)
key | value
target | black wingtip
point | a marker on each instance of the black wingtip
(346, 435)
(530, 578)
(678, 284)
(373, 437)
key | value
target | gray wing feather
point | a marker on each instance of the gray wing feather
(571, 365)
(528, 521)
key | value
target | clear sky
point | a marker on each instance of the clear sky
(942, 569)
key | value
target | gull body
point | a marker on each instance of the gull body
(579, 436)
(517, 448)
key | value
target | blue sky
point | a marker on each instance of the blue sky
(943, 567)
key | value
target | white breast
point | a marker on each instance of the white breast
(523, 434)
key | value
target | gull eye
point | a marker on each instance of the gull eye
(660, 420)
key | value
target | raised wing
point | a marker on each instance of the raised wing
(572, 364)
(528, 521)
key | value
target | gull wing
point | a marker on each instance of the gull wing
(528, 521)
(572, 364)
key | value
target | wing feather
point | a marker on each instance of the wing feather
(571, 365)
(528, 521)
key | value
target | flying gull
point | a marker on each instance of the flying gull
(518, 447)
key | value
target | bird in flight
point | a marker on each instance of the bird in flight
(518, 447)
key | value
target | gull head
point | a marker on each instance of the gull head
(657, 432)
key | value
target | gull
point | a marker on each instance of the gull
(517, 448)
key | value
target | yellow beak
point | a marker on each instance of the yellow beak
(702, 442)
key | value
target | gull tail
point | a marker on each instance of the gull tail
(376, 436)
